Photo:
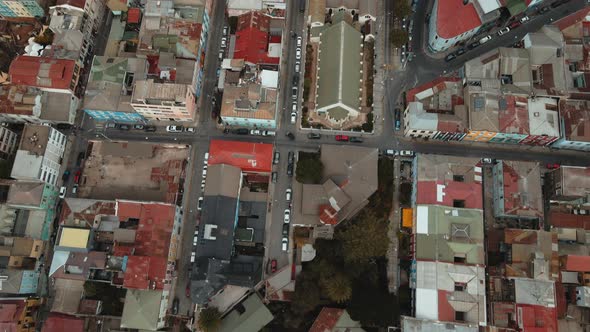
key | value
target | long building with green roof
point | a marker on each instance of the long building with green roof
(339, 72)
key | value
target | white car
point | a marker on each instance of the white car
(293, 118)
(269, 133)
(297, 66)
(203, 184)
(255, 132)
(223, 42)
(225, 30)
(298, 54)
(287, 216)
(390, 152)
(285, 243)
(62, 192)
(193, 256)
(206, 159)
(294, 109)
(75, 189)
(191, 130)
(200, 203)
(288, 193)
(405, 153)
(503, 31)
(195, 240)
(205, 171)
(524, 19)
(299, 41)
(485, 39)
(174, 129)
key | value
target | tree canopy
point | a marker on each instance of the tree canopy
(364, 238)
(309, 170)
(209, 319)
(398, 37)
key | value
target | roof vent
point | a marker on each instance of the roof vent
(210, 232)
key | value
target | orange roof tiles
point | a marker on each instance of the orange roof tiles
(249, 157)
(576, 263)
(42, 72)
(60, 323)
(326, 320)
(447, 23)
(143, 270)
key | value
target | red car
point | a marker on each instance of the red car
(552, 166)
(77, 176)
(273, 266)
(515, 25)
(342, 138)
(187, 291)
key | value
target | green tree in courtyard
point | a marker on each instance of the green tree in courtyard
(209, 319)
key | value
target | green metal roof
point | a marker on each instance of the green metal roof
(108, 69)
(515, 7)
(445, 232)
(253, 319)
(340, 66)
(141, 310)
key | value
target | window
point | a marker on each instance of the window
(459, 286)
(459, 316)
(458, 178)
(459, 259)
(459, 203)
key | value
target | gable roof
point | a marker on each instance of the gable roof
(248, 315)
(447, 24)
(142, 309)
(249, 157)
(339, 67)
(42, 72)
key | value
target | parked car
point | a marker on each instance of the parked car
(285, 243)
(450, 57)
(77, 176)
(290, 170)
(299, 41)
(293, 117)
(291, 157)
(406, 153)
(297, 66)
(200, 203)
(552, 166)
(110, 125)
(473, 45)
(543, 10)
(269, 133)
(389, 152)
(150, 128)
(460, 52)
(274, 177)
(175, 305)
(487, 160)
(124, 127)
(193, 256)
(298, 53)
(524, 19)
(174, 129)
(503, 31)
(485, 39)
(255, 132)
(295, 79)
(286, 229)
(138, 126)
(276, 158)
(355, 139)
(294, 93)
(287, 217)
(294, 107)
(290, 135)
(314, 136)
(206, 158)
(74, 189)
(223, 42)
(191, 130)
(66, 175)
(205, 171)
(273, 266)
(62, 192)
(288, 194)
(187, 290)
(225, 30)
(203, 184)
(515, 25)
(342, 138)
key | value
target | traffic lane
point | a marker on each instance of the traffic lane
(192, 193)
(278, 209)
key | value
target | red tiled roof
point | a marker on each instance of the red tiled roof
(10, 310)
(411, 94)
(515, 118)
(576, 263)
(328, 215)
(252, 46)
(143, 270)
(134, 15)
(445, 310)
(152, 243)
(60, 323)
(454, 18)
(326, 320)
(249, 157)
(572, 19)
(471, 193)
(253, 19)
(533, 318)
(569, 220)
(42, 72)
(76, 3)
